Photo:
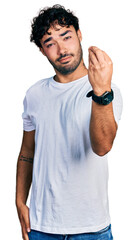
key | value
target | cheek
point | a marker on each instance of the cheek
(74, 46)
(51, 53)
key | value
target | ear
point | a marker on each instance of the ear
(79, 35)
(42, 51)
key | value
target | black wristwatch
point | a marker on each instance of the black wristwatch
(104, 99)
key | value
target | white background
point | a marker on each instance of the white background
(110, 25)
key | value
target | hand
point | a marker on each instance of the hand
(23, 213)
(100, 70)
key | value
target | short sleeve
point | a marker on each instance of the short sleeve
(27, 123)
(117, 104)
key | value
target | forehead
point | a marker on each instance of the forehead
(56, 27)
(57, 30)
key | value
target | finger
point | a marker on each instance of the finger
(92, 58)
(24, 232)
(99, 54)
(107, 58)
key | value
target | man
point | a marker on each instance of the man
(70, 122)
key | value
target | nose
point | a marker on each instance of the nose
(61, 49)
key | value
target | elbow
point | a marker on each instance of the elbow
(102, 151)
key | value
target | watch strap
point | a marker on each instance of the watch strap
(104, 99)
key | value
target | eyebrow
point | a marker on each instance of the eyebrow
(61, 35)
(48, 40)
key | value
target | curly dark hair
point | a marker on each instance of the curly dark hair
(49, 16)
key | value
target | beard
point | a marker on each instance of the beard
(67, 69)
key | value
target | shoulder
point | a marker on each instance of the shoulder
(37, 87)
(114, 87)
(117, 102)
(117, 92)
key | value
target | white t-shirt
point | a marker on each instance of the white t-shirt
(70, 182)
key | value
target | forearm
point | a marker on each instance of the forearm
(24, 176)
(102, 128)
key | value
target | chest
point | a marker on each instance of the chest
(70, 108)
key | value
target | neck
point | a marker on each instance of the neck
(80, 72)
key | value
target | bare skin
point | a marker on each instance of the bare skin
(102, 125)
(24, 179)
(63, 50)
(59, 45)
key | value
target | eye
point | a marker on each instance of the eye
(50, 45)
(68, 37)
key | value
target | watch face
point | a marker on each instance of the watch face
(107, 98)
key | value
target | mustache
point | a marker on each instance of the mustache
(63, 56)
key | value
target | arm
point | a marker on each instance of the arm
(24, 179)
(102, 128)
(102, 124)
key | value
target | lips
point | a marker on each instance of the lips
(65, 59)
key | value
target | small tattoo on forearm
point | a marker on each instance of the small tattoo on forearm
(26, 159)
